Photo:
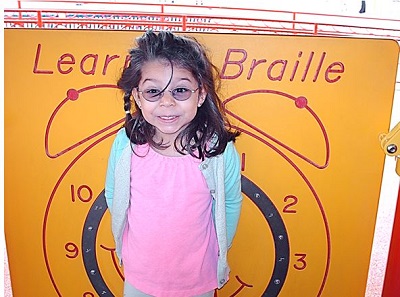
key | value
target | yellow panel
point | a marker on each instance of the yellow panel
(310, 110)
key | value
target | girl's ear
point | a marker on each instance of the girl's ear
(135, 96)
(202, 97)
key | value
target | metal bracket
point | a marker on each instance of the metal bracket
(390, 144)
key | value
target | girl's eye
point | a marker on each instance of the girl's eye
(180, 90)
(152, 91)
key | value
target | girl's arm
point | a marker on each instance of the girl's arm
(117, 147)
(233, 192)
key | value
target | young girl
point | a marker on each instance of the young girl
(173, 177)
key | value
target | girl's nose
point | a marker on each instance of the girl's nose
(167, 99)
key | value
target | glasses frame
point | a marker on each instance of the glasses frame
(161, 94)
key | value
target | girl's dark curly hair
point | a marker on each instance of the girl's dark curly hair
(209, 132)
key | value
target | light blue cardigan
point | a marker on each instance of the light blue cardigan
(222, 174)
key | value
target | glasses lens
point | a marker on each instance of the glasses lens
(152, 94)
(181, 93)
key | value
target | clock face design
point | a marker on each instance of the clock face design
(306, 192)
(283, 236)
(268, 159)
(264, 204)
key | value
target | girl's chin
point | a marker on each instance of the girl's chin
(167, 135)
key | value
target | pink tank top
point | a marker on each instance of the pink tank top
(169, 246)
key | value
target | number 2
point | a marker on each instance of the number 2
(289, 207)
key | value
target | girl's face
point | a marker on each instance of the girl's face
(168, 115)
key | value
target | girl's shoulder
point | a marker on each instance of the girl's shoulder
(121, 136)
(230, 150)
(121, 140)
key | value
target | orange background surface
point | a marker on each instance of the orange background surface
(310, 113)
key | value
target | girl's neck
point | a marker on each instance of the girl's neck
(169, 149)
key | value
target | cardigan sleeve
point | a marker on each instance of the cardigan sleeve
(233, 192)
(120, 142)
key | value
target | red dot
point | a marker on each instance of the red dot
(301, 102)
(72, 94)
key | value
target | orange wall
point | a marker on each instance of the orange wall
(310, 110)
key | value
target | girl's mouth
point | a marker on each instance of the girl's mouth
(168, 118)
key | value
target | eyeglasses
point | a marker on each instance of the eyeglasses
(180, 94)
